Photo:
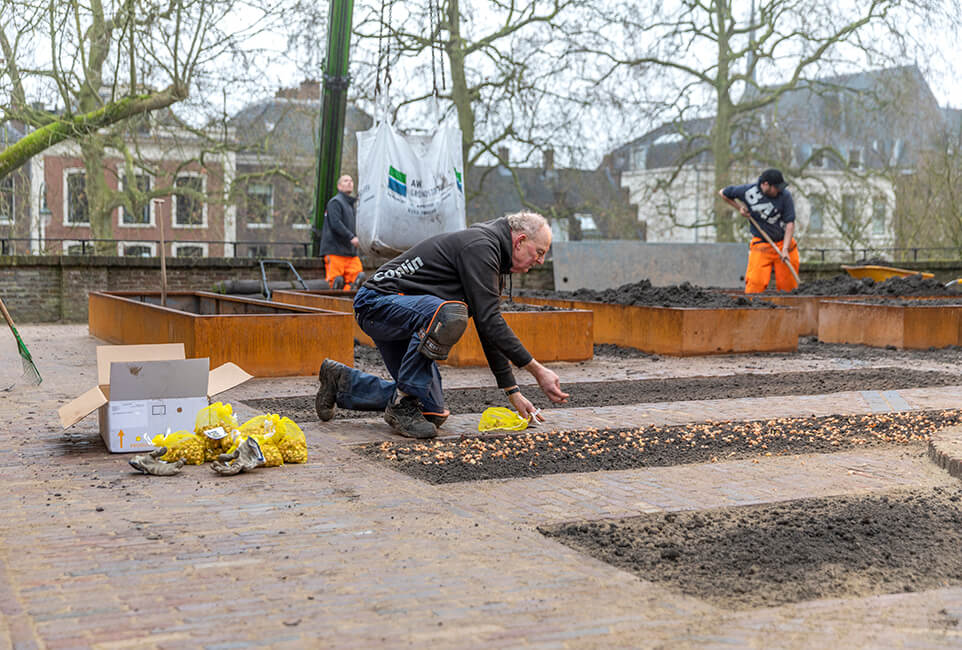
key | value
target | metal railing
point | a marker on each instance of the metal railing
(253, 249)
(893, 254)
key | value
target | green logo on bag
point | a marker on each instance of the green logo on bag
(397, 181)
(457, 175)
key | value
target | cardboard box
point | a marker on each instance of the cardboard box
(145, 390)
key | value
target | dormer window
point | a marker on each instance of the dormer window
(854, 158)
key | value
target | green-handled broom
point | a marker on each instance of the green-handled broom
(30, 373)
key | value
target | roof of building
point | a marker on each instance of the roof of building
(287, 123)
(496, 191)
(887, 115)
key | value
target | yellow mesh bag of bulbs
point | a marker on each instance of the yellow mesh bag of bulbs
(264, 429)
(181, 444)
(217, 427)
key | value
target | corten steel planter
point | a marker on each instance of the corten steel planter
(688, 331)
(879, 325)
(807, 308)
(264, 338)
(339, 301)
(547, 335)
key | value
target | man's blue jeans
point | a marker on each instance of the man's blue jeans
(394, 321)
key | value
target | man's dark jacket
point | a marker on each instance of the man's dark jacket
(339, 226)
(465, 265)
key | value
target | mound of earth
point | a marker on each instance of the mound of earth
(768, 555)
(644, 294)
(955, 301)
(845, 285)
(300, 408)
(510, 306)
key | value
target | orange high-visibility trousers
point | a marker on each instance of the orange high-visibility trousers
(761, 259)
(346, 266)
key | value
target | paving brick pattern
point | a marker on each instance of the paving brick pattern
(344, 552)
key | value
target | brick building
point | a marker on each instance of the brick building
(245, 191)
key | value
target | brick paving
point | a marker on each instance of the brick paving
(344, 552)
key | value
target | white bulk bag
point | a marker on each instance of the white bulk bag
(409, 188)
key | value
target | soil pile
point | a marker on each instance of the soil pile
(846, 285)
(509, 306)
(300, 408)
(644, 294)
(955, 301)
(769, 555)
(537, 453)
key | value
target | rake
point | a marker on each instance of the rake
(30, 373)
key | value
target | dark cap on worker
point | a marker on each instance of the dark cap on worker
(774, 178)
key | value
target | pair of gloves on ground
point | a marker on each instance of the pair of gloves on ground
(246, 457)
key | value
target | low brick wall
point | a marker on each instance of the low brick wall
(45, 289)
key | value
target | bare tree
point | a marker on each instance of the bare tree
(102, 68)
(504, 71)
(706, 60)
(929, 214)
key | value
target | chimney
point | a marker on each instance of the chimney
(310, 89)
(503, 155)
(548, 159)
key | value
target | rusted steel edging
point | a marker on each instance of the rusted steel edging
(916, 327)
(685, 331)
(264, 338)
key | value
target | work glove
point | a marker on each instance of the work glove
(246, 457)
(151, 464)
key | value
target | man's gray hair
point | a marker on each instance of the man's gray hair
(529, 223)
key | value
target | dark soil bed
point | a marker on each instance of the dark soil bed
(763, 556)
(536, 453)
(300, 408)
(645, 295)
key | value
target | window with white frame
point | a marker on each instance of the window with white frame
(193, 249)
(878, 215)
(137, 249)
(142, 216)
(6, 199)
(300, 211)
(77, 247)
(816, 215)
(259, 206)
(849, 225)
(190, 210)
(75, 209)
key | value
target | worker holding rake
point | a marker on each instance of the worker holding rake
(769, 207)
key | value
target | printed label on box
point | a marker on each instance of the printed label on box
(128, 414)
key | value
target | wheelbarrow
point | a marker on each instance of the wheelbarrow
(882, 273)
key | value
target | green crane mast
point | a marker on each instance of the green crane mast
(333, 108)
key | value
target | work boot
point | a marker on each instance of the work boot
(437, 419)
(328, 376)
(405, 417)
(338, 283)
(358, 281)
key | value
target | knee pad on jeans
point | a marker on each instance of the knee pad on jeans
(445, 329)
